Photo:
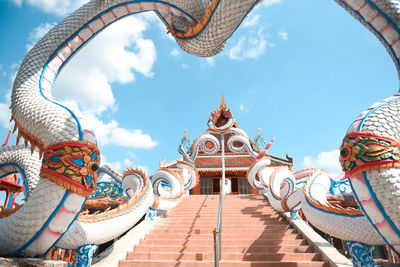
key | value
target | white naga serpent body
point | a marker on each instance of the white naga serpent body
(370, 153)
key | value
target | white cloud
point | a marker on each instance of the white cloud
(250, 47)
(17, 2)
(243, 108)
(283, 35)
(2, 71)
(5, 115)
(268, 3)
(184, 66)
(114, 56)
(128, 162)
(119, 167)
(38, 33)
(325, 160)
(175, 52)
(210, 61)
(110, 132)
(132, 138)
(57, 7)
(252, 20)
(90, 88)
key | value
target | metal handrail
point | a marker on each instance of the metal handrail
(218, 230)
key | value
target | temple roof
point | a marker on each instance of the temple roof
(234, 162)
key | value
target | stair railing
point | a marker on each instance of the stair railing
(218, 230)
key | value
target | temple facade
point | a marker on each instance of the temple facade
(237, 163)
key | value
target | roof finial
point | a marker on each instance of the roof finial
(222, 104)
(185, 131)
(259, 129)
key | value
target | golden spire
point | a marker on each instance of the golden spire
(185, 131)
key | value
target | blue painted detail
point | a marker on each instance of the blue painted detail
(294, 214)
(76, 32)
(330, 212)
(21, 171)
(165, 184)
(186, 143)
(361, 254)
(107, 188)
(56, 158)
(338, 187)
(89, 179)
(27, 244)
(78, 162)
(126, 211)
(84, 255)
(291, 186)
(396, 60)
(372, 111)
(69, 226)
(150, 214)
(260, 141)
(189, 183)
(379, 205)
(10, 197)
(370, 221)
(163, 180)
(295, 206)
(94, 156)
(182, 151)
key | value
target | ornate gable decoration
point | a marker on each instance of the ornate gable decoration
(221, 119)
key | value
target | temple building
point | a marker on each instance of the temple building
(237, 164)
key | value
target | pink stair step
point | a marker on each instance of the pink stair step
(191, 256)
(253, 234)
(226, 249)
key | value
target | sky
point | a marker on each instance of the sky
(300, 70)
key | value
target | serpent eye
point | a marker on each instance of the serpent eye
(94, 167)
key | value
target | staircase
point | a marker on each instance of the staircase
(253, 234)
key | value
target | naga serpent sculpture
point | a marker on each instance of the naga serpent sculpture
(369, 155)
(70, 155)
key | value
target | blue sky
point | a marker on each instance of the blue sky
(299, 70)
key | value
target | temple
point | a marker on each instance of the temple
(236, 163)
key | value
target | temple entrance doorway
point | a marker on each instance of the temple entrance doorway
(234, 185)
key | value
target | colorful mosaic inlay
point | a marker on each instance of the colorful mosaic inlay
(362, 151)
(73, 165)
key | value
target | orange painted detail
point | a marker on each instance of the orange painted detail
(198, 27)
